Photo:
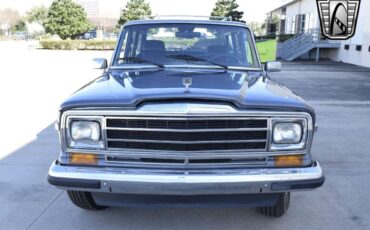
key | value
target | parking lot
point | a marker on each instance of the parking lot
(34, 83)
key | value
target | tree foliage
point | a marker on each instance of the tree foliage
(66, 19)
(257, 28)
(134, 10)
(20, 26)
(228, 8)
(37, 14)
(274, 20)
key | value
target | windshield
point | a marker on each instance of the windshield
(166, 45)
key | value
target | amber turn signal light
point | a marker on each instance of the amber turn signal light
(289, 161)
(83, 159)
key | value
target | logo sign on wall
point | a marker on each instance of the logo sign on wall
(338, 18)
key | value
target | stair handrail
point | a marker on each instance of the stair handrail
(299, 42)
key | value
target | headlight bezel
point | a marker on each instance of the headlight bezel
(84, 144)
(301, 145)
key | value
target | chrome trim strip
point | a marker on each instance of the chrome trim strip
(186, 182)
(187, 142)
(206, 117)
(206, 154)
(186, 162)
(194, 154)
(191, 130)
(141, 112)
(225, 153)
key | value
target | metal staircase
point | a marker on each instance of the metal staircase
(304, 43)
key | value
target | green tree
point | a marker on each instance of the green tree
(66, 19)
(257, 28)
(271, 20)
(228, 8)
(37, 14)
(20, 26)
(134, 10)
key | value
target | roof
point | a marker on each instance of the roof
(284, 5)
(183, 21)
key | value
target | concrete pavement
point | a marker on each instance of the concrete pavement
(30, 95)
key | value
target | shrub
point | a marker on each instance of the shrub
(78, 44)
(265, 37)
(280, 37)
(284, 37)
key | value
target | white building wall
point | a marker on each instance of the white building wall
(291, 11)
(309, 8)
(306, 7)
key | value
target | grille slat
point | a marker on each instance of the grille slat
(186, 124)
(187, 134)
(185, 142)
(180, 162)
(186, 147)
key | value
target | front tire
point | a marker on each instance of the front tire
(279, 209)
(84, 200)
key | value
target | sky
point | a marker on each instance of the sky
(254, 10)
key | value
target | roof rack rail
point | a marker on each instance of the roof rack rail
(191, 16)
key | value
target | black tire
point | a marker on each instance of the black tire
(279, 209)
(84, 200)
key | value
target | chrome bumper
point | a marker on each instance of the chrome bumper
(166, 182)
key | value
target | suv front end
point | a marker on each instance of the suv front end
(191, 119)
(185, 149)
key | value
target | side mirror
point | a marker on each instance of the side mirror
(100, 63)
(273, 66)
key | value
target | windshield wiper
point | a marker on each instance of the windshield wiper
(193, 58)
(141, 60)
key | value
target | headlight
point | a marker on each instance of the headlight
(287, 133)
(85, 131)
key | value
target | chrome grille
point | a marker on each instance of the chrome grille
(187, 134)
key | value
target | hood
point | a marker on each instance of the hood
(251, 90)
